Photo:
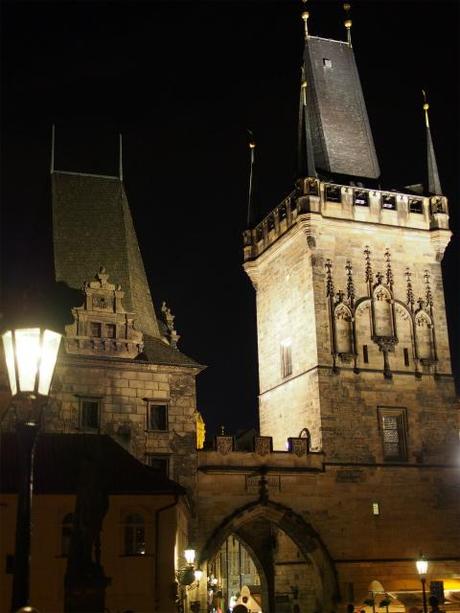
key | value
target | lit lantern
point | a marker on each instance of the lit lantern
(422, 566)
(189, 555)
(30, 355)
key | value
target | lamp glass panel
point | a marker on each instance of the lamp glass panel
(50, 348)
(189, 555)
(198, 574)
(9, 358)
(27, 357)
(422, 566)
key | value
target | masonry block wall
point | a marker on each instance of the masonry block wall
(357, 297)
(124, 389)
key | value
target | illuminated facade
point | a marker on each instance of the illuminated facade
(355, 469)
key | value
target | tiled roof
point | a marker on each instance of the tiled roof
(342, 137)
(158, 352)
(93, 227)
(59, 458)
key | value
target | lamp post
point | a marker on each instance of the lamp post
(422, 568)
(30, 356)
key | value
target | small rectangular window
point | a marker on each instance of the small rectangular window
(393, 430)
(159, 463)
(360, 198)
(95, 329)
(415, 206)
(406, 356)
(375, 508)
(389, 202)
(89, 414)
(327, 63)
(110, 330)
(365, 355)
(286, 359)
(157, 417)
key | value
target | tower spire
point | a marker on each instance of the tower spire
(120, 157)
(434, 184)
(53, 134)
(306, 157)
(252, 149)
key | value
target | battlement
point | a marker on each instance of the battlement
(297, 456)
(360, 204)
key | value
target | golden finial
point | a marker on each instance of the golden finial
(305, 16)
(347, 23)
(426, 106)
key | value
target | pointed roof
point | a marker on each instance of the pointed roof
(93, 227)
(340, 130)
(434, 184)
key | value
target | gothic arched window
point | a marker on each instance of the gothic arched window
(423, 332)
(383, 322)
(343, 332)
(134, 535)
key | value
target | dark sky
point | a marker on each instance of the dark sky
(182, 81)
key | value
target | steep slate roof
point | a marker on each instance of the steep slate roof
(158, 352)
(342, 137)
(93, 227)
(58, 459)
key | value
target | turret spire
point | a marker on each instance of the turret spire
(53, 137)
(434, 184)
(305, 153)
(252, 149)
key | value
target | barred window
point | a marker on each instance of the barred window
(286, 359)
(393, 430)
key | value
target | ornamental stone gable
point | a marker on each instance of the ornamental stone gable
(101, 325)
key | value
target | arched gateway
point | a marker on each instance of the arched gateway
(291, 561)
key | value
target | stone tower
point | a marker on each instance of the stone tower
(352, 333)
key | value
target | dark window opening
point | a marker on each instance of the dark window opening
(393, 425)
(110, 330)
(159, 463)
(406, 356)
(389, 202)
(95, 329)
(361, 198)
(271, 223)
(327, 63)
(415, 206)
(134, 529)
(157, 417)
(365, 355)
(89, 414)
(333, 193)
(9, 564)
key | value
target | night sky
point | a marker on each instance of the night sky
(183, 81)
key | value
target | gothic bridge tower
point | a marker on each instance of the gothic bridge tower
(352, 333)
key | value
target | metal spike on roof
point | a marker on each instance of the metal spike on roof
(434, 184)
(252, 149)
(306, 157)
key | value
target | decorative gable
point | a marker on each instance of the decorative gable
(101, 326)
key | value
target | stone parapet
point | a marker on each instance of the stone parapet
(361, 204)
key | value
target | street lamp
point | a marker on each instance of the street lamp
(422, 568)
(30, 356)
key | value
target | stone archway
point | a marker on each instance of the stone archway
(252, 523)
